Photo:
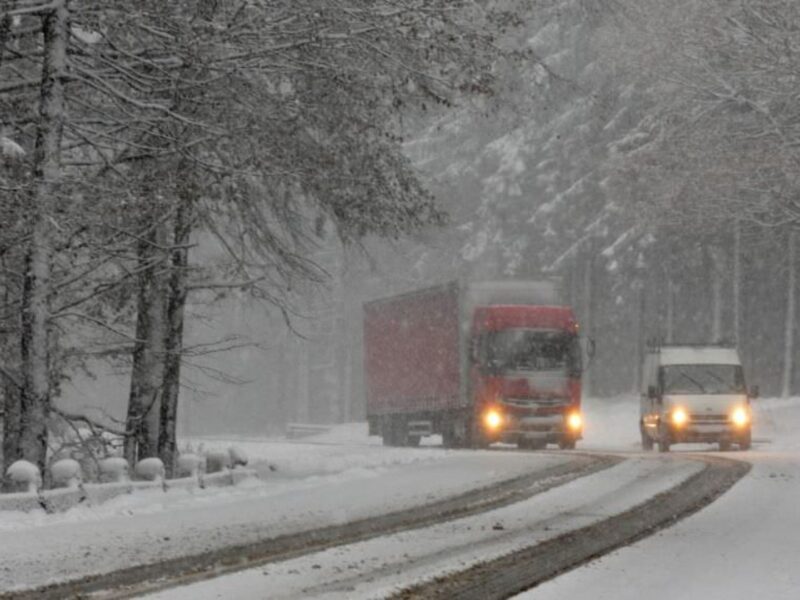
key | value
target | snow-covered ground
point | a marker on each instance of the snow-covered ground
(377, 567)
(316, 484)
(745, 545)
(748, 536)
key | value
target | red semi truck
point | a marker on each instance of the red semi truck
(475, 362)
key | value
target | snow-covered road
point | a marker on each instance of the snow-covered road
(348, 483)
(725, 551)
(746, 545)
(377, 567)
(743, 543)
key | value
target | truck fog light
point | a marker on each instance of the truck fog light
(740, 417)
(574, 421)
(679, 417)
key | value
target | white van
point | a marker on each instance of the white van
(694, 394)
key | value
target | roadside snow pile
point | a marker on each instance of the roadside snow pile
(66, 473)
(150, 469)
(114, 469)
(344, 448)
(25, 476)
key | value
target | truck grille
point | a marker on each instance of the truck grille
(534, 402)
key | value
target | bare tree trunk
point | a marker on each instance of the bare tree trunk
(716, 295)
(37, 285)
(788, 344)
(670, 324)
(176, 304)
(737, 281)
(588, 308)
(9, 383)
(641, 341)
(12, 412)
(148, 354)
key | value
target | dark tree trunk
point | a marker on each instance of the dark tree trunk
(148, 354)
(37, 284)
(176, 293)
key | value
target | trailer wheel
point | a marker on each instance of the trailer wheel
(387, 433)
(394, 432)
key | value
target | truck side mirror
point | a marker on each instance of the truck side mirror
(754, 391)
(652, 392)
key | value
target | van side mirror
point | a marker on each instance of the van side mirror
(754, 391)
(652, 392)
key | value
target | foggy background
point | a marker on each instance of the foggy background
(610, 161)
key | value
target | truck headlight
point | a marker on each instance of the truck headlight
(740, 416)
(679, 417)
(492, 419)
(574, 421)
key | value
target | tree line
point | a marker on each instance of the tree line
(135, 134)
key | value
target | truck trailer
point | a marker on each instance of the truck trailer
(477, 362)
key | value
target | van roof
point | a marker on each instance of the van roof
(698, 355)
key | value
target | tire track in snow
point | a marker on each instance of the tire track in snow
(524, 569)
(141, 579)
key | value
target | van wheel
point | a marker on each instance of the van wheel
(647, 441)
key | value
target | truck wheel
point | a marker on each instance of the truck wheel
(566, 443)
(412, 440)
(647, 441)
(724, 446)
(745, 441)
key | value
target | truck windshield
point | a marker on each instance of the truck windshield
(702, 379)
(530, 350)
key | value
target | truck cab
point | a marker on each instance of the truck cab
(694, 394)
(526, 375)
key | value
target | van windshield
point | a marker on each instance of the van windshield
(702, 379)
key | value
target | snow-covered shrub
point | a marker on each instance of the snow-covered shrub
(189, 465)
(238, 456)
(114, 468)
(151, 469)
(25, 475)
(217, 461)
(66, 473)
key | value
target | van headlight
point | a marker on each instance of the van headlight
(679, 417)
(740, 416)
